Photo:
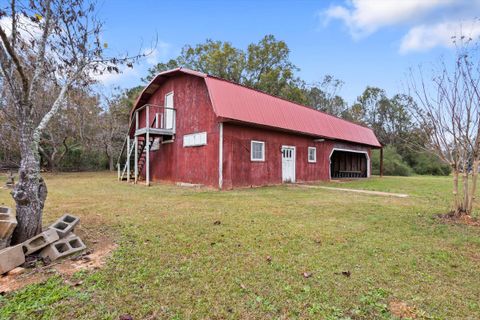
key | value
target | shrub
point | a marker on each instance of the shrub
(80, 159)
(426, 163)
(393, 164)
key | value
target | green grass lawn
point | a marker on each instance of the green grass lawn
(175, 262)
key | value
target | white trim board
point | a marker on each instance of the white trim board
(220, 156)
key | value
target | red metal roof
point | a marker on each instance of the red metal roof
(239, 103)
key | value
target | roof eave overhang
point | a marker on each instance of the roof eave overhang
(314, 136)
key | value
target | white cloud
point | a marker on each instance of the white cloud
(157, 54)
(27, 29)
(131, 76)
(363, 17)
(425, 37)
(431, 23)
(113, 78)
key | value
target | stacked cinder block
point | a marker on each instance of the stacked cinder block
(8, 222)
(69, 243)
(65, 225)
(11, 258)
(57, 241)
(64, 247)
(40, 241)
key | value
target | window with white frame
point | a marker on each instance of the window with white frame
(312, 154)
(257, 151)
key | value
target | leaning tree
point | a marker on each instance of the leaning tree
(448, 111)
(45, 43)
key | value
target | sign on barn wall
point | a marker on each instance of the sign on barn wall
(195, 139)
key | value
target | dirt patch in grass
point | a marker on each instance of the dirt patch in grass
(401, 310)
(94, 258)
(465, 219)
(91, 260)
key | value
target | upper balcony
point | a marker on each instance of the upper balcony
(153, 119)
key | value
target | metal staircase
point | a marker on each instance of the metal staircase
(135, 152)
(141, 154)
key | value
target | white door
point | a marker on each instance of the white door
(169, 112)
(288, 164)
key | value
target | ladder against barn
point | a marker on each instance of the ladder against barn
(148, 124)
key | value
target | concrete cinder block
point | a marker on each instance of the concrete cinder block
(63, 247)
(65, 225)
(8, 222)
(40, 241)
(11, 258)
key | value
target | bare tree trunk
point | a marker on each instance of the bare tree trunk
(29, 193)
(473, 189)
(109, 154)
(110, 164)
(455, 191)
(465, 188)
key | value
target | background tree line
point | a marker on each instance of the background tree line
(89, 133)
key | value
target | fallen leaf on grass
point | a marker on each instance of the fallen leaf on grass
(402, 310)
(344, 273)
(73, 284)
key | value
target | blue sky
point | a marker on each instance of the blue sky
(362, 42)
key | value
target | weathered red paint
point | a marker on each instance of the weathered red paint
(195, 113)
(173, 162)
(239, 170)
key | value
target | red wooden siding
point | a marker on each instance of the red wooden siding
(239, 170)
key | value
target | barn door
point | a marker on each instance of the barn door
(288, 164)
(169, 112)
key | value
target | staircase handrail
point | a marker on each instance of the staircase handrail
(130, 128)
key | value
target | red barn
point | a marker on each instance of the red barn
(205, 130)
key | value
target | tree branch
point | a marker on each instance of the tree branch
(39, 65)
(4, 65)
(16, 62)
(53, 110)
